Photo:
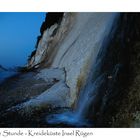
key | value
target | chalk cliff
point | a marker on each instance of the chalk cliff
(74, 46)
(85, 64)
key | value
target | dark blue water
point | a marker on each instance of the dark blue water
(6, 74)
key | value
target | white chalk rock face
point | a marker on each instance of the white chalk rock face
(51, 75)
(57, 96)
(77, 44)
(80, 48)
(43, 45)
(50, 41)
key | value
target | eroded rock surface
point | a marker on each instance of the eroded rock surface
(74, 46)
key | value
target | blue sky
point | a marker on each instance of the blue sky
(18, 33)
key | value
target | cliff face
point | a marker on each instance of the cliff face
(74, 46)
(118, 99)
(123, 110)
(84, 63)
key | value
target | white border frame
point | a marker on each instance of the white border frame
(69, 5)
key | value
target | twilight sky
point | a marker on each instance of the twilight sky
(18, 33)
